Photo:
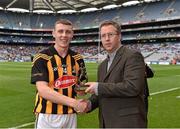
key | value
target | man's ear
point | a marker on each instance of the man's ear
(72, 34)
(53, 33)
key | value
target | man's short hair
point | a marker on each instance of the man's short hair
(113, 23)
(64, 22)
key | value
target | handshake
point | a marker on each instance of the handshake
(82, 106)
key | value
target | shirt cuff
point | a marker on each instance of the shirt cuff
(89, 105)
(96, 89)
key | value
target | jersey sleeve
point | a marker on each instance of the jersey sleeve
(39, 71)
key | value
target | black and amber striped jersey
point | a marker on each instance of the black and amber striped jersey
(61, 75)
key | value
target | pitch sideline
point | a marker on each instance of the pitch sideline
(155, 93)
(23, 125)
(164, 91)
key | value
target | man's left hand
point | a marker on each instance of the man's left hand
(92, 87)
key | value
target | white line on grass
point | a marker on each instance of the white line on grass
(23, 125)
(155, 93)
(164, 91)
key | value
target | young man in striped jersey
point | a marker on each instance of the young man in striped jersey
(54, 72)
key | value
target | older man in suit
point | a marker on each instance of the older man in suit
(120, 87)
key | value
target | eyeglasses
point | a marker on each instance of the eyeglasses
(109, 35)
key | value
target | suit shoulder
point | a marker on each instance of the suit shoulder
(102, 64)
(131, 52)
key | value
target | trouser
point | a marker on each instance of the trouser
(56, 121)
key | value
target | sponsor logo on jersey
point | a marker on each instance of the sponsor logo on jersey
(65, 81)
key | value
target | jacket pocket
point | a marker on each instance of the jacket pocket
(128, 111)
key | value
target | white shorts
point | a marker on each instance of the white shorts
(56, 121)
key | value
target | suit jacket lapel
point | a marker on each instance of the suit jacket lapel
(103, 70)
(115, 61)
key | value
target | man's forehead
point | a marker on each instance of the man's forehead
(63, 25)
(108, 28)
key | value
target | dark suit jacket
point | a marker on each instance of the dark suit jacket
(120, 91)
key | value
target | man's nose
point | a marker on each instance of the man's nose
(107, 37)
(64, 34)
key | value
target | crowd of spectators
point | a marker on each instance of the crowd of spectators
(17, 53)
(158, 52)
(151, 52)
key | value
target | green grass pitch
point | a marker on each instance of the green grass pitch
(17, 97)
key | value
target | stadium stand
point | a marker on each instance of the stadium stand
(145, 27)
